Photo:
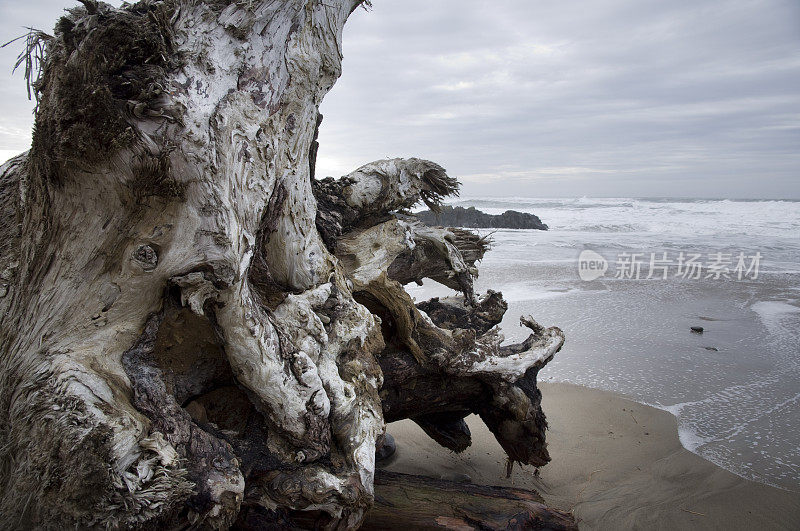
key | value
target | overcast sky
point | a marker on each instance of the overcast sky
(543, 98)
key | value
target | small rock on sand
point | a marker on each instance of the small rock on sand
(387, 449)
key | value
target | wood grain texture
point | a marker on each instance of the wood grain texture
(190, 324)
(417, 502)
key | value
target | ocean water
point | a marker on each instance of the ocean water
(735, 388)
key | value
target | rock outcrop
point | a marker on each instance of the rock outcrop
(475, 219)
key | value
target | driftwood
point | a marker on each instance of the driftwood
(191, 327)
(404, 501)
(422, 502)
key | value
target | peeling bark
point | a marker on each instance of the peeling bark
(193, 328)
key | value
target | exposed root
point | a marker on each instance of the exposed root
(212, 464)
(372, 193)
(453, 312)
(447, 429)
(187, 338)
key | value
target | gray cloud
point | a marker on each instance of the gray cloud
(569, 98)
(612, 98)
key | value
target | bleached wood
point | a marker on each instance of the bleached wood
(181, 323)
(245, 98)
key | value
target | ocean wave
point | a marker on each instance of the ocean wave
(773, 313)
(776, 223)
(524, 293)
(625, 227)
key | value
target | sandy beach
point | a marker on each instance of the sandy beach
(616, 464)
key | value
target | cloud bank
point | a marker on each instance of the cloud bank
(518, 98)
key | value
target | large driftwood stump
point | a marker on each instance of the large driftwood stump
(190, 325)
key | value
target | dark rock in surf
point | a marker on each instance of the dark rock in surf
(475, 219)
(697, 329)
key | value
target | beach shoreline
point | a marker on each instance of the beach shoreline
(616, 464)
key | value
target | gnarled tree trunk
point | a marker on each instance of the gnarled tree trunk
(190, 324)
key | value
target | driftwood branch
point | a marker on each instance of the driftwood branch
(418, 502)
(421, 502)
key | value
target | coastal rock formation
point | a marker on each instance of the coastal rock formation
(191, 327)
(449, 216)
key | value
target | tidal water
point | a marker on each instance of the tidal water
(732, 267)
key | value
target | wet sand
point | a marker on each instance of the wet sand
(616, 464)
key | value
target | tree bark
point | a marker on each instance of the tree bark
(183, 330)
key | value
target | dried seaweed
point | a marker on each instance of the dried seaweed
(33, 57)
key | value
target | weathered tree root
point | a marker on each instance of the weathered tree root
(187, 335)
